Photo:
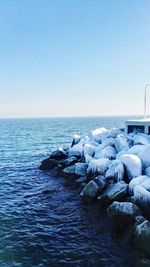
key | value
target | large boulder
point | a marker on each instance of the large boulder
(98, 134)
(98, 165)
(122, 143)
(114, 192)
(59, 154)
(48, 164)
(68, 161)
(115, 171)
(81, 169)
(93, 187)
(142, 139)
(144, 155)
(125, 211)
(69, 170)
(142, 197)
(107, 152)
(76, 150)
(142, 237)
(138, 181)
(76, 140)
(132, 165)
(88, 149)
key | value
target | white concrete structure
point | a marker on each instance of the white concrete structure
(138, 126)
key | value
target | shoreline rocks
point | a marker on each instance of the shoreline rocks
(112, 168)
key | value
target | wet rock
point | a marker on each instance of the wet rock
(142, 237)
(93, 187)
(81, 169)
(69, 170)
(124, 211)
(81, 180)
(114, 192)
(68, 161)
(59, 154)
(48, 164)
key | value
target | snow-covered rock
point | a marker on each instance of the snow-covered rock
(98, 165)
(132, 164)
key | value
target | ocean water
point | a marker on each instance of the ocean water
(43, 222)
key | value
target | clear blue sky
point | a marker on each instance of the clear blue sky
(73, 57)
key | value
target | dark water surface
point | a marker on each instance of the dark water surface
(43, 222)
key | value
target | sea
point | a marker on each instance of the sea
(43, 221)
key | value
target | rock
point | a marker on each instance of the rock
(81, 180)
(59, 154)
(114, 192)
(48, 164)
(98, 165)
(144, 156)
(69, 170)
(81, 169)
(147, 171)
(76, 140)
(125, 211)
(98, 134)
(68, 161)
(88, 150)
(142, 197)
(76, 150)
(122, 143)
(132, 165)
(137, 181)
(142, 237)
(115, 171)
(108, 152)
(93, 187)
(136, 149)
(141, 139)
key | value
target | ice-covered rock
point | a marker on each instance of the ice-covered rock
(76, 140)
(115, 170)
(88, 149)
(141, 139)
(98, 134)
(93, 187)
(147, 171)
(81, 168)
(122, 143)
(132, 164)
(68, 161)
(144, 155)
(114, 192)
(142, 237)
(141, 196)
(108, 152)
(136, 149)
(76, 150)
(125, 211)
(59, 154)
(88, 159)
(98, 165)
(69, 170)
(137, 181)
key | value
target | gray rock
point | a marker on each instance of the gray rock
(142, 237)
(69, 170)
(48, 164)
(68, 161)
(114, 192)
(92, 189)
(59, 154)
(125, 211)
(81, 180)
(81, 169)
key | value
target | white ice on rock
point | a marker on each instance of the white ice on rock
(115, 170)
(137, 181)
(99, 134)
(108, 152)
(98, 165)
(88, 150)
(144, 155)
(132, 164)
(141, 196)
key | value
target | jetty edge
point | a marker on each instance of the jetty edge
(111, 168)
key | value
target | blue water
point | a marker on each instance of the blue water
(42, 221)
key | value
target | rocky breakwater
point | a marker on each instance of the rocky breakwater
(112, 168)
